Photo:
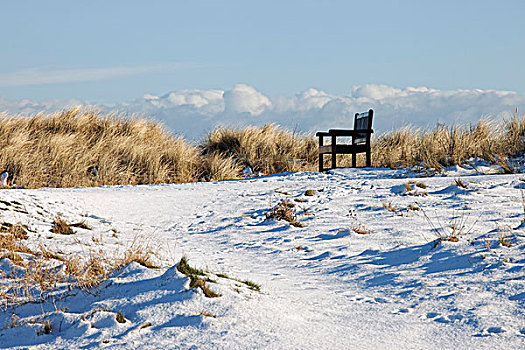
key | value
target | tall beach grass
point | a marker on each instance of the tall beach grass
(82, 147)
(443, 146)
(85, 148)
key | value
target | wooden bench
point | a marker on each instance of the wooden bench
(360, 140)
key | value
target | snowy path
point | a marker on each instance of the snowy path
(323, 285)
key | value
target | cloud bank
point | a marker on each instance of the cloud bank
(192, 113)
(40, 77)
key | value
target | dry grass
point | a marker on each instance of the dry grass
(47, 327)
(444, 146)
(414, 188)
(360, 229)
(201, 283)
(216, 167)
(288, 204)
(185, 268)
(140, 252)
(504, 233)
(283, 211)
(47, 254)
(421, 185)
(145, 325)
(388, 206)
(18, 231)
(61, 227)
(413, 207)
(459, 183)
(120, 317)
(457, 226)
(266, 150)
(205, 313)
(91, 272)
(309, 193)
(197, 277)
(11, 241)
(81, 224)
(269, 149)
(44, 271)
(82, 147)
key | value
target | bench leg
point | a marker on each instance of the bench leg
(321, 143)
(354, 160)
(334, 165)
(368, 159)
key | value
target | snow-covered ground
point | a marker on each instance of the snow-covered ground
(398, 284)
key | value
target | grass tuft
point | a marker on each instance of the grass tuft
(252, 285)
(83, 147)
(195, 281)
(413, 207)
(461, 184)
(184, 268)
(421, 185)
(18, 230)
(288, 204)
(47, 327)
(61, 227)
(360, 229)
(309, 193)
(388, 206)
(81, 224)
(145, 325)
(201, 283)
(140, 252)
(283, 211)
(119, 317)
(503, 238)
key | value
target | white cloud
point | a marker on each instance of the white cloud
(245, 99)
(195, 112)
(39, 77)
(29, 107)
(207, 101)
(376, 92)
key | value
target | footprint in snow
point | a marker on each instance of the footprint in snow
(452, 318)
(495, 330)
(368, 300)
(402, 311)
(490, 331)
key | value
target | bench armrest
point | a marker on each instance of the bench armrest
(321, 134)
(346, 132)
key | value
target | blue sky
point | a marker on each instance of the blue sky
(104, 51)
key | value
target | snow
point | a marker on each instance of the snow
(403, 285)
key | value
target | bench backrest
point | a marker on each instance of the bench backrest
(362, 121)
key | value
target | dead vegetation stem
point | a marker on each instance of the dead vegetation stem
(37, 273)
(283, 211)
